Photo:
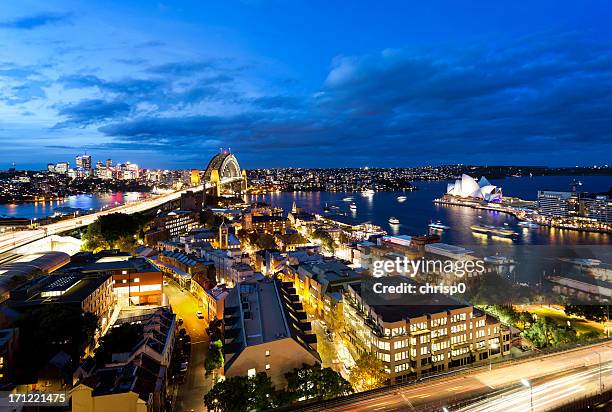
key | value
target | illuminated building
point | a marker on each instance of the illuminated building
(321, 284)
(558, 204)
(429, 335)
(266, 330)
(83, 162)
(468, 187)
(136, 281)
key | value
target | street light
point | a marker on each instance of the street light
(493, 345)
(600, 383)
(527, 384)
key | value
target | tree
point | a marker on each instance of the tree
(214, 359)
(368, 373)
(114, 231)
(314, 382)
(591, 312)
(242, 394)
(326, 240)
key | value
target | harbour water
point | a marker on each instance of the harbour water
(418, 210)
(38, 210)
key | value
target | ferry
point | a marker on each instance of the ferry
(438, 225)
(368, 193)
(494, 230)
(401, 198)
(347, 199)
(353, 206)
(394, 220)
(528, 224)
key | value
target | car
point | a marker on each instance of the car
(199, 314)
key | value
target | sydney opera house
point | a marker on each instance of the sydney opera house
(468, 187)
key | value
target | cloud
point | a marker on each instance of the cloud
(182, 68)
(92, 111)
(35, 21)
(401, 106)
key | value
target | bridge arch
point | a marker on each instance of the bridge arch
(224, 170)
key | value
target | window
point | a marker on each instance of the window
(136, 280)
(124, 281)
(267, 353)
(267, 366)
(124, 272)
(251, 373)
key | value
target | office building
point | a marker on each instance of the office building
(136, 281)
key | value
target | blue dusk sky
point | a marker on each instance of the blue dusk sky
(306, 83)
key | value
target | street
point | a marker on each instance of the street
(191, 392)
(550, 394)
(482, 381)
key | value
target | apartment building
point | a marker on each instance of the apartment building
(321, 284)
(265, 330)
(429, 335)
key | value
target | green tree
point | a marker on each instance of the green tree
(368, 373)
(314, 382)
(591, 312)
(242, 394)
(114, 231)
(214, 358)
(327, 242)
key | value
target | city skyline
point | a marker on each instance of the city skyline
(306, 85)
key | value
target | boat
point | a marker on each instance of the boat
(528, 224)
(499, 260)
(353, 206)
(401, 198)
(368, 193)
(438, 225)
(347, 199)
(494, 230)
(394, 220)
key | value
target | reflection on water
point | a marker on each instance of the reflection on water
(83, 201)
(418, 211)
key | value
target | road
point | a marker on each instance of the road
(12, 240)
(478, 382)
(550, 394)
(191, 392)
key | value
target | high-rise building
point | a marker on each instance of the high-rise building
(558, 204)
(83, 161)
(598, 208)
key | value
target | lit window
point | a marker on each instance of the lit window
(124, 281)
(136, 280)
(252, 372)
(267, 353)
(267, 366)
(124, 272)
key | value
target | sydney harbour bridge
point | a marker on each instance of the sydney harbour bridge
(224, 176)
